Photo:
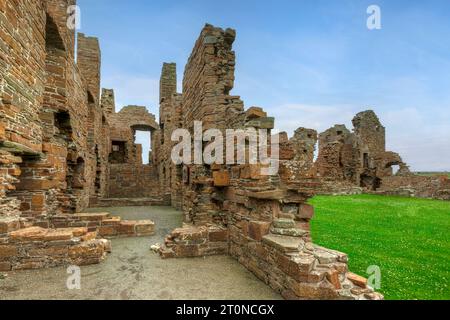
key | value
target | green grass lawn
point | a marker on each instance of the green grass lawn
(409, 239)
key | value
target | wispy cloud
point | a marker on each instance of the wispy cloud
(134, 90)
(290, 117)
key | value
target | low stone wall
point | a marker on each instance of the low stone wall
(300, 270)
(291, 265)
(36, 247)
(433, 187)
(103, 223)
(192, 241)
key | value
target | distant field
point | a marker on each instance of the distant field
(409, 239)
(428, 174)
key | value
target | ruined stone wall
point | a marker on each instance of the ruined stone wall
(89, 62)
(353, 162)
(128, 176)
(54, 161)
(208, 79)
(370, 131)
(169, 120)
(108, 103)
(22, 35)
(338, 155)
(264, 219)
(416, 186)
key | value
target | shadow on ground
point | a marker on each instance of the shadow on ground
(132, 271)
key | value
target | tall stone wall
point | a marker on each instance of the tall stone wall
(22, 26)
(260, 220)
(128, 176)
(52, 139)
(338, 155)
(208, 79)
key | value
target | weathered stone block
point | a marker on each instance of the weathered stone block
(107, 231)
(52, 251)
(284, 223)
(276, 194)
(145, 228)
(28, 234)
(258, 229)
(357, 280)
(126, 227)
(262, 123)
(2, 132)
(9, 224)
(322, 290)
(5, 266)
(221, 178)
(60, 234)
(83, 253)
(218, 235)
(305, 211)
(7, 251)
(113, 221)
(92, 216)
(333, 278)
(283, 243)
(255, 112)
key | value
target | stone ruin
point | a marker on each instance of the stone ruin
(355, 162)
(64, 148)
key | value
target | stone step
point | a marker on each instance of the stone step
(41, 234)
(284, 223)
(292, 232)
(116, 227)
(285, 244)
(97, 216)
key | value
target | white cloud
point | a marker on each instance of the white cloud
(424, 146)
(290, 117)
(134, 90)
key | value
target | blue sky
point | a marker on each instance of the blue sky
(308, 63)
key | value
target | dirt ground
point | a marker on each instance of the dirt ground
(132, 271)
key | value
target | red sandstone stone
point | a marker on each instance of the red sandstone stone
(305, 211)
(221, 178)
(2, 132)
(255, 112)
(126, 227)
(357, 280)
(109, 231)
(5, 266)
(61, 234)
(333, 277)
(258, 229)
(7, 251)
(218, 235)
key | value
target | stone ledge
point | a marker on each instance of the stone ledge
(283, 243)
